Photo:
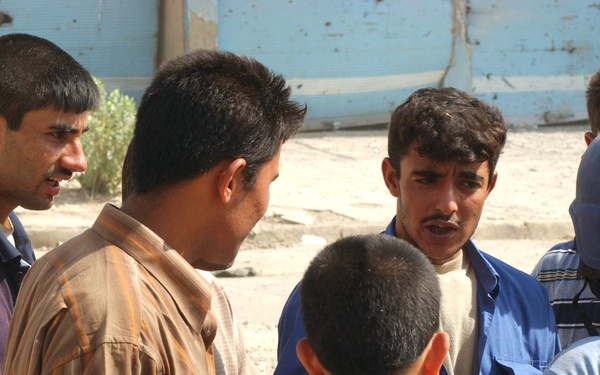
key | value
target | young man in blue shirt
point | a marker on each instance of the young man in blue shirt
(443, 146)
(44, 98)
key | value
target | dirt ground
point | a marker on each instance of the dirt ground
(330, 185)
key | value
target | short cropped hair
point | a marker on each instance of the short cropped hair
(370, 305)
(35, 73)
(592, 95)
(446, 124)
(205, 107)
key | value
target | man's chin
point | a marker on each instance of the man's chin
(38, 205)
(441, 253)
(438, 259)
(205, 265)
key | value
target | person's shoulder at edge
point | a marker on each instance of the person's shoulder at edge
(559, 256)
(566, 245)
(59, 270)
(581, 357)
(62, 256)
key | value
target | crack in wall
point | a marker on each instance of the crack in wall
(460, 10)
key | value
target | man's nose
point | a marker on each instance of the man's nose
(73, 158)
(448, 200)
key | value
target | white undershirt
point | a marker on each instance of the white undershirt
(458, 315)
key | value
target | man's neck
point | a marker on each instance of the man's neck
(6, 223)
(7, 228)
(5, 209)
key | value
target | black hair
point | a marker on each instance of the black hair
(370, 305)
(446, 124)
(205, 107)
(35, 73)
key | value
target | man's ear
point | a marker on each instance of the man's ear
(3, 126)
(588, 137)
(492, 183)
(435, 353)
(389, 176)
(308, 358)
(230, 178)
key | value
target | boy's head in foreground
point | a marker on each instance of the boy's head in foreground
(370, 306)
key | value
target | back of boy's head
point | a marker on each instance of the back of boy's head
(370, 305)
(35, 74)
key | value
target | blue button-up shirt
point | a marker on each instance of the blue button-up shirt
(14, 262)
(516, 333)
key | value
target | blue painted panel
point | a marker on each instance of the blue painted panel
(533, 58)
(114, 39)
(356, 104)
(539, 108)
(343, 57)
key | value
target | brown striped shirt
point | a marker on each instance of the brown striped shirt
(114, 300)
(228, 348)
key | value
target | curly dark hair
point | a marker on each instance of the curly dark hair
(446, 124)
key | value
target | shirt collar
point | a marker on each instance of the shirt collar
(189, 290)
(8, 251)
(486, 275)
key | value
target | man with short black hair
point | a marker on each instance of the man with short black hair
(44, 99)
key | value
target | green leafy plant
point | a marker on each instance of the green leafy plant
(105, 144)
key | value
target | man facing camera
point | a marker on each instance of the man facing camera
(443, 146)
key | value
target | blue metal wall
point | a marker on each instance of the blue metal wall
(115, 40)
(533, 58)
(351, 61)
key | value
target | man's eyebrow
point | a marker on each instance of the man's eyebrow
(471, 176)
(426, 173)
(66, 128)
